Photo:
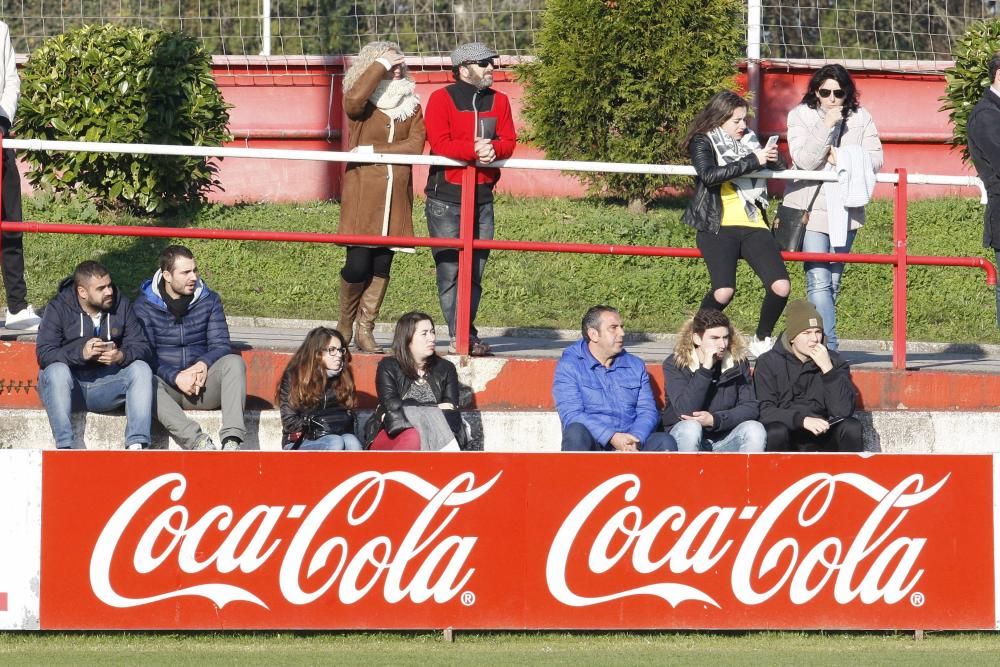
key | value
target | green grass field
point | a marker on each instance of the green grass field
(528, 289)
(764, 648)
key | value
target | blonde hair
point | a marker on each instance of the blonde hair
(703, 320)
(369, 54)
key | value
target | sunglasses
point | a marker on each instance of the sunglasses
(825, 92)
(484, 63)
(334, 351)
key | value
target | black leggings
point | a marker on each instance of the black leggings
(757, 246)
(363, 263)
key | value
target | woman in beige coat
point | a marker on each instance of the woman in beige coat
(828, 118)
(384, 116)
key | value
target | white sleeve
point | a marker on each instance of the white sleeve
(10, 82)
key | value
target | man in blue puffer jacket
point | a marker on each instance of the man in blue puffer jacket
(602, 392)
(193, 359)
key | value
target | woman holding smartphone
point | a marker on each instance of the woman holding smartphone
(829, 129)
(728, 207)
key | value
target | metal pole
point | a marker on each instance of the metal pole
(466, 232)
(265, 29)
(899, 211)
(753, 59)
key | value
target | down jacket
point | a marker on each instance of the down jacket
(730, 399)
(606, 401)
(200, 335)
(789, 390)
(65, 329)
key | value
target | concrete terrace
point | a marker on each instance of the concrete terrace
(945, 402)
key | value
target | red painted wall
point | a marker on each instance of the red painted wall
(298, 106)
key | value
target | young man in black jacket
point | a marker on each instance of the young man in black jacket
(806, 396)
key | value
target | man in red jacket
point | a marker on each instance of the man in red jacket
(470, 121)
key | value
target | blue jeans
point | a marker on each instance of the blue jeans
(98, 390)
(332, 443)
(747, 437)
(443, 222)
(576, 438)
(823, 280)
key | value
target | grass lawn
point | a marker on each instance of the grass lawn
(768, 648)
(539, 289)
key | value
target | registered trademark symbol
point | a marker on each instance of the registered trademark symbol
(917, 599)
(468, 598)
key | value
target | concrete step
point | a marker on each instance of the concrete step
(891, 431)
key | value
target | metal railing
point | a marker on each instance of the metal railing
(466, 242)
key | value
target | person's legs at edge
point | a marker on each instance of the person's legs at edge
(443, 222)
(576, 438)
(57, 387)
(748, 437)
(823, 281)
(688, 434)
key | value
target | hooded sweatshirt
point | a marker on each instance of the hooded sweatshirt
(66, 328)
(790, 390)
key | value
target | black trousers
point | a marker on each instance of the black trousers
(843, 436)
(13, 247)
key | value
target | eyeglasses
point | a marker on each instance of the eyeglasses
(334, 351)
(825, 92)
(484, 63)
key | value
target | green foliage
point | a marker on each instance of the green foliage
(969, 78)
(621, 81)
(123, 85)
(523, 289)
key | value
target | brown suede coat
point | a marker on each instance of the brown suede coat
(363, 202)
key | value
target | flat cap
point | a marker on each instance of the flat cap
(470, 52)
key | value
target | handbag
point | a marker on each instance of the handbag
(789, 227)
(335, 420)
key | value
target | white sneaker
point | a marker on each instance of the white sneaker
(759, 347)
(134, 447)
(22, 320)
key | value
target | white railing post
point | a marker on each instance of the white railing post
(753, 58)
(265, 28)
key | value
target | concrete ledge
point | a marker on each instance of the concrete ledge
(899, 432)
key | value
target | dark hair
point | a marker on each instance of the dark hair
(718, 110)
(994, 66)
(707, 318)
(401, 339)
(455, 74)
(841, 76)
(592, 319)
(170, 255)
(308, 372)
(84, 271)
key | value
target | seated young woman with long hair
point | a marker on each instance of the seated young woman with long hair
(316, 395)
(417, 393)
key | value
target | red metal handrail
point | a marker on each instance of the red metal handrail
(466, 244)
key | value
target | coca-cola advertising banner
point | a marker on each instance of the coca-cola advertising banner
(178, 540)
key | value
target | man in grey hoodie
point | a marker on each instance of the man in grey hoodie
(93, 355)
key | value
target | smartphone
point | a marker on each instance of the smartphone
(772, 141)
(834, 420)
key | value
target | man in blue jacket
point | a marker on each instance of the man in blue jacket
(193, 359)
(602, 392)
(92, 355)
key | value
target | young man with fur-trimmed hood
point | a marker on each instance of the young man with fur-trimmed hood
(711, 404)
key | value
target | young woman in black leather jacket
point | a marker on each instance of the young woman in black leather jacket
(728, 206)
(414, 376)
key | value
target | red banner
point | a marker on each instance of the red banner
(178, 540)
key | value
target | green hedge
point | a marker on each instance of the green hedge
(545, 289)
